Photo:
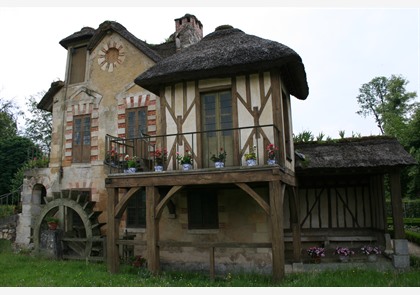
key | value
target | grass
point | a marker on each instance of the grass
(25, 270)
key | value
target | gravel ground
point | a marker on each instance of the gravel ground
(413, 249)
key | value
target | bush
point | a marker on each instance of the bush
(6, 210)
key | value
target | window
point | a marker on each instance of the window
(216, 109)
(203, 210)
(136, 127)
(136, 210)
(81, 139)
(136, 122)
(77, 64)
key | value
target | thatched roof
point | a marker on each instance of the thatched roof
(84, 34)
(353, 153)
(48, 98)
(226, 52)
(95, 36)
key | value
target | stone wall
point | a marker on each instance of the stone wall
(8, 228)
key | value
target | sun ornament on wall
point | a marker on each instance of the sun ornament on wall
(111, 56)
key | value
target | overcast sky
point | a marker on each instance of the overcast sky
(341, 48)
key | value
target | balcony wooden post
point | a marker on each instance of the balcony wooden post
(152, 230)
(277, 237)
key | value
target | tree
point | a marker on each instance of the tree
(13, 155)
(388, 101)
(8, 117)
(397, 115)
(39, 125)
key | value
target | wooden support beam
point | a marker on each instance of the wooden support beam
(122, 205)
(294, 223)
(277, 237)
(212, 264)
(255, 196)
(165, 200)
(396, 202)
(152, 230)
(112, 232)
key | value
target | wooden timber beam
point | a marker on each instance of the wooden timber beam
(152, 230)
(122, 204)
(165, 200)
(255, 196)
(396, 202)
(277, 190)
(112, 232)
(294, 223)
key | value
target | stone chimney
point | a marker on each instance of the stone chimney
(188, 31)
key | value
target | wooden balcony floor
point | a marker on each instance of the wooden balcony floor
(227, 175)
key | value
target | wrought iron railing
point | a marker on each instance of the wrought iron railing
(201, 144)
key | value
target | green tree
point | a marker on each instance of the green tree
(13, 155)
(38, 125)
(388, 101)
(396, 114)
(9, 113)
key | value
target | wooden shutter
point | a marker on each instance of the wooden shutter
(77, 64)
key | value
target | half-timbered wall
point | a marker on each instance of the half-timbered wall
(256, 101)
(342, 203)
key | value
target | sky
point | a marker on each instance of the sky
(341, 47)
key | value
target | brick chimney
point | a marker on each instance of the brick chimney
(188, 31)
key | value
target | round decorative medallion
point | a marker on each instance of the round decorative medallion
(111, 56)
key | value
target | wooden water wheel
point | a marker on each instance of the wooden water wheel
(81, 235)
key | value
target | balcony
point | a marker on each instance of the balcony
(202, 145)
(236, 142)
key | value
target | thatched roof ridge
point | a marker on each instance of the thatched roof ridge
(364, 152)
(224, 53)
(46, 101)
(95, 36)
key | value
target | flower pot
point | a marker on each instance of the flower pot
(130, 170)
(52, 225)
(316, 259)
(158, 168)
(372, 257)
(186, 167)
(271, 161)
(251, 162)
(219, 164)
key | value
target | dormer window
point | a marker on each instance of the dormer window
(77, 64)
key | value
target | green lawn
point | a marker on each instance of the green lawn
(24, 270)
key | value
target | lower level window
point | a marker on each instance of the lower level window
(203, 210)
(136, 210)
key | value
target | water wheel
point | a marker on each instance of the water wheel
(81, 235)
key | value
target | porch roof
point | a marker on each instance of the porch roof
(352, 153)
(226, 52)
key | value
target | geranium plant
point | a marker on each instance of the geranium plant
(271, 151)
(251, 155)
(112, 156)
(131, 162)
(138, 261)
(370, 250)
(185, 159)
(161, 155)
(343, 251)
(316, 252)
(221, 157)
